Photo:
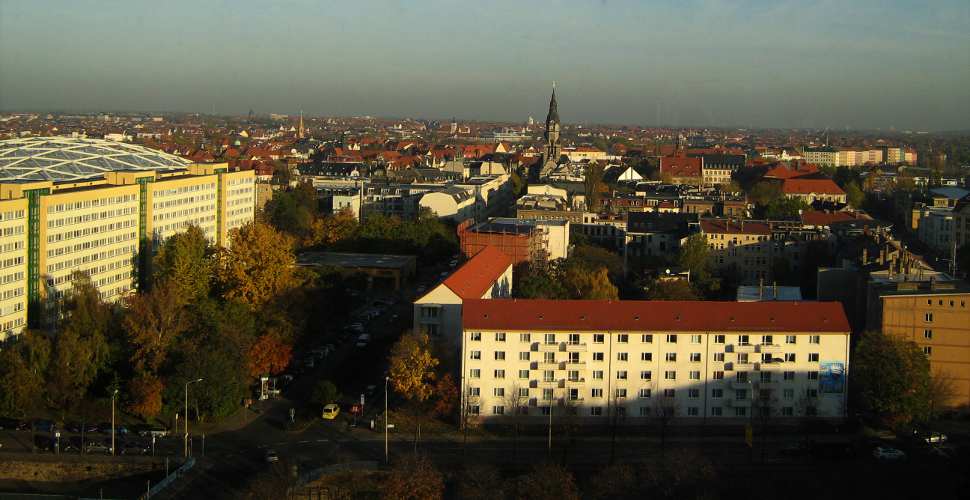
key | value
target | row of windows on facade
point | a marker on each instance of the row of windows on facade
(185, 212)
(192, 188)
(11, 277)
(12, 231)
(573, 376)
(9, 326)
(88, 231)
(188, 200)
(650, 411)
(695, 357)
(646, 338)
(10, 262)
(942, 302)
(647, 393)
(87, 218)
(12, 215)
(97, 202)
(12, 293)
(126, 261)
(87, 245)
(100, 282)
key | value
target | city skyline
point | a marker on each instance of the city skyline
(812, 65)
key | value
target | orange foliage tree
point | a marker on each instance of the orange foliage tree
(269, 355)
(145, 391)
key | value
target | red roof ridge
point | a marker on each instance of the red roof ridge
(474, 277)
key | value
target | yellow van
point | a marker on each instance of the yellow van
(331, 411)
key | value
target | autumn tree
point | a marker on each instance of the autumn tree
(414, 478)
(446, 396)
(269, 355)
(588, 283)
(333, 228)
(547, 482)
(259, 265)
(412, 366)
(186, 260)
(154, 320)
(891, 379)
(682, 474)
(145, 395)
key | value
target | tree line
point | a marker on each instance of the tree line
(227, 315)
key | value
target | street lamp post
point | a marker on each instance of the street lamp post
(114, 396)
(186, 441)
(386, 454)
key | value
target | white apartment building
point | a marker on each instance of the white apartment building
(717, 361)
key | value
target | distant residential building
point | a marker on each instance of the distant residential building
(812, 190)
(655, 235)
(682, 169)
(523, 240)
(762, 293)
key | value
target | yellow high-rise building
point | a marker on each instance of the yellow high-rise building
(102, 208)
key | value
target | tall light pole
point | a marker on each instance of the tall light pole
(386, 454)
(186, 441)
(114, 396)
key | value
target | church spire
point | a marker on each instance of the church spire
(553, 115)
(300, 132)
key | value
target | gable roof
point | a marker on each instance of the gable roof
(808, 186)
(818, 218)
(473, 278)
(653, 315)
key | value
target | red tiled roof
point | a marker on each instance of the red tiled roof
(471, 280)
(808, 186)
(819, 218)
(727, 226)
(656, 315)
(783, 172)
(681, 166)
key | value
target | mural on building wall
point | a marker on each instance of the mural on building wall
(832, 377)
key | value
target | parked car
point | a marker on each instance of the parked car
(331, 411)
(933, 437)
(71, 444)
(96, 446)
(156, 433)
(888, 454)
(135, 447)
(105, 428)
(89, 428)
(272, 456)
(73, 427)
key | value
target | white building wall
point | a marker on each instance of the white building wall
(709, 375)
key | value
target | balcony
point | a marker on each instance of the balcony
(574, 365)
(577, 347)
(548, 384)
(547, 365)
(740, 385)
(556, 347)
(768, 348)
(579, 382)
(740, 348)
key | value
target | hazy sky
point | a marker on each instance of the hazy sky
(839, 63)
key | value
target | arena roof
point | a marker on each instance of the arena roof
(70, 159)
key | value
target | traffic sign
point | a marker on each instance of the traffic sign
(362, 399)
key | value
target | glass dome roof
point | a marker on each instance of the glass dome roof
(67, 158)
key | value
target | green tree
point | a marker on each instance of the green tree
(587, 283)
(661, 289)
(854, 195)
(259, 265)
(225, 381)
(153, 322)
(891, 379)
(186, 260)
(764, 192)
(23, 373)
(695, 256)
(324, 393)
(784, 208)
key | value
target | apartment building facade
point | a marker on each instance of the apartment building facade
(13, 266)
(108, 226)
(936, 317)
(699, 361)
